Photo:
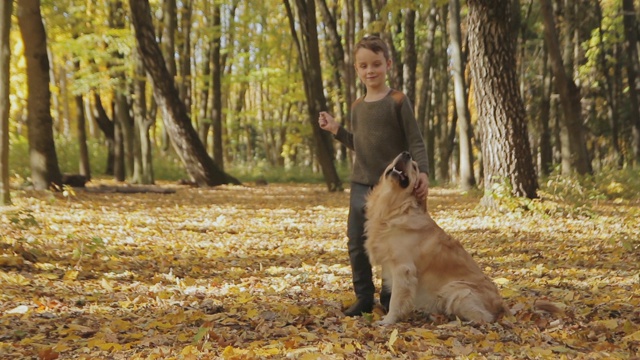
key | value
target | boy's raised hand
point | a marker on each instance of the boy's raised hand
(328, 123)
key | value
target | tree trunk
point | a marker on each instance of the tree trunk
(84, 165)
(184, 85)
(578, 156)
(183, 136)
(467, 178)
(631, 35)
(143, 159)
(170, 19)
(425, 120)
(45, 171)
(546, 149)
(309, 57)
(122, 116)
(410, 56)
(6, 8)
(107, 127)
(501, 114)
(216, 92)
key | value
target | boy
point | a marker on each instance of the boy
(383, 125)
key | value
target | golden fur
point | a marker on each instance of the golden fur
(425, 267)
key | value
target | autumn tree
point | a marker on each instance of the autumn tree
(183, 136)
(501, 113)
(6, 8)
(45, 170)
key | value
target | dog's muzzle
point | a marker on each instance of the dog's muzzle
(399, 169)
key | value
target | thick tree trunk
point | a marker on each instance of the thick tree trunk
(501, 114)
(42, 151)
(183, 136)
(577, 153)
(467, 179)
(6, 8)
(633, 64)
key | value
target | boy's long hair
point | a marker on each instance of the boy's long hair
(373, 43)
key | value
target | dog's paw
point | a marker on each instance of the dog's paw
(386, 321)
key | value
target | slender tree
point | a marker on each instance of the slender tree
(45, 170)
(501, 114)
(575, 154)
(6, 8)
(309, 57)
(183, 136)
(631, 37)
(467, 177)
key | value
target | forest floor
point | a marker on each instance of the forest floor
(261, 272)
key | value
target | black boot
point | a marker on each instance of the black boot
(362, 283)
(385, 297)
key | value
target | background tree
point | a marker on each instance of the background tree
(6, 9)
(574, 149)
(467, 178)
(501, 114)
(633, 64)
(42, 151)
(185, 139)
(309, 56)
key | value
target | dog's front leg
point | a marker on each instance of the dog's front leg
(403, 288)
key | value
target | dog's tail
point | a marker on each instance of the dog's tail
(547, 306)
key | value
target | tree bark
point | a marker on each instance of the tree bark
(577, 156)
(6, 8)
(45, 170)
(501, 114)
(467, 179)
(184, 137)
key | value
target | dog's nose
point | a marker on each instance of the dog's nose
(406, 154)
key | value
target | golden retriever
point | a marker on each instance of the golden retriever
(425, 267)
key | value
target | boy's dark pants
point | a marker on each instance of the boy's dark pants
(360, 266)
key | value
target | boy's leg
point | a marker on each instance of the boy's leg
(360, 265)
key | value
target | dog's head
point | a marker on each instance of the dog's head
(402, 171)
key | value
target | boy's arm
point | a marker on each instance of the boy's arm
(417, 146)
(345, 137)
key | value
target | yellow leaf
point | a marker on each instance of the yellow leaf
(392, 340)
(70, 275)
(610, 324)
(105, 284)
(633, 337)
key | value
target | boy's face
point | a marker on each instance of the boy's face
(372, 68)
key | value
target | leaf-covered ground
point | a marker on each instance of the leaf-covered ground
(244, 272)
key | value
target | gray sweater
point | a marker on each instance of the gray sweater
(380, 131)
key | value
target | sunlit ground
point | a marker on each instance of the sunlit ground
(243, 272)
